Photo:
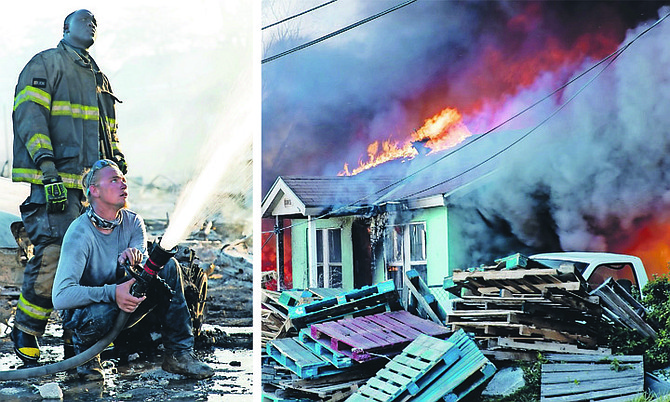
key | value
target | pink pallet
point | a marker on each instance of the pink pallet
(361, 338)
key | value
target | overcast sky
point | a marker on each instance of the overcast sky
(176, 66)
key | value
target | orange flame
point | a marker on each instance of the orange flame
(652, 244)
(440, 132)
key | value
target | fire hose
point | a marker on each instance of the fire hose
(158, 257)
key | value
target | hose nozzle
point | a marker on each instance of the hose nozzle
(158, 257)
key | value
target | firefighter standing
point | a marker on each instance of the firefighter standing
(64, 120)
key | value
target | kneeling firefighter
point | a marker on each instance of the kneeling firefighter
(92, 289)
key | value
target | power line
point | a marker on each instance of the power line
(299, 14)
(330, 35)
(611, 58)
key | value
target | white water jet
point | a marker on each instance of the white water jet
(227, 153)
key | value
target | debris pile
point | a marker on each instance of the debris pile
(363, 343)
(519, 307)
(367, 344)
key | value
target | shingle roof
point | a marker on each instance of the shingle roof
(335, 191)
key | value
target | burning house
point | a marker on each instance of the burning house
(352, 231)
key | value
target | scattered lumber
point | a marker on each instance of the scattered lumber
(591, 378)
(623, 309)
(334, 387)
(274, 316)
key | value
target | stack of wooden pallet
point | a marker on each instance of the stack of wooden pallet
(343, 341)
(319, 371)
(521, 306)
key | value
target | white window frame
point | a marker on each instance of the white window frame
(405, 263)
(327, 262)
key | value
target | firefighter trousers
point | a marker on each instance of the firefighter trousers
(46, 233)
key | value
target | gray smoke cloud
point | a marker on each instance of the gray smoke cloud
(592, 174)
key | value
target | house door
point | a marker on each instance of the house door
(362, 250)
(405, 250)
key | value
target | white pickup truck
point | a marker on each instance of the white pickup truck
(627, 270)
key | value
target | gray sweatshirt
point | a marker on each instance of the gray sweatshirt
(87, 269)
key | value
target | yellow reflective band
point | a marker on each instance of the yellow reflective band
(71, 180)
(30, 93)
(115, 146)
(34, 176)
(27, 175)
(65, 108)
(33, 311)
(38, 142)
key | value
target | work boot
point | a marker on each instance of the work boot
(185, 363)
(68, 346)
(25, 346)
(91, 370)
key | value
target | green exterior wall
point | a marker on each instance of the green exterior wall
(438, 245)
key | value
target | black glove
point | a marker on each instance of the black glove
(54, 190)
(56, 195)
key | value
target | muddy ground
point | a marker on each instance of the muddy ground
(226, 344)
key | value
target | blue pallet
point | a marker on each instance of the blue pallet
(472, 370)
(366, 300)
(335, 358)
(267, 397)
(293, 355)
(423, 360)
(429, 369)
(354, 295)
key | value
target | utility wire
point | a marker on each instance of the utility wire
(613, 56)
(298, 15)
(330, 35)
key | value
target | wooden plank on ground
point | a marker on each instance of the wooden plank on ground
(542, 346)
(582, 377)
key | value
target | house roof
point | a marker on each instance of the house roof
(425, 181)
(304, 196)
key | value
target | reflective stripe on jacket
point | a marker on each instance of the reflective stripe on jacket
(60, 112)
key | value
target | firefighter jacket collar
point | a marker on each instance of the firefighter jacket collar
(79, 56)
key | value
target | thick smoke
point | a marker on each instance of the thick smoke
(322, 106)
(592, 175)
(584, 180)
